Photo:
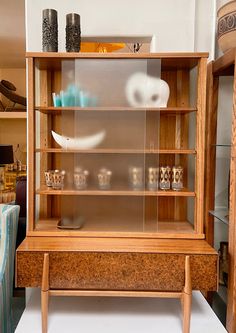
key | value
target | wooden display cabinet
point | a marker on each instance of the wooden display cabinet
(135, 136)
(132, 242)
(224, 66)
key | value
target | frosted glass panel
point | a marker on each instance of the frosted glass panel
(108, 82)
(119, 153)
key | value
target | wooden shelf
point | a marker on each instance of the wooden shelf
(169, 110)
(121, 228)
(116, 192)
(13, 115)
(116, 244)
(224, 65)
(117, 151)
(95, 55)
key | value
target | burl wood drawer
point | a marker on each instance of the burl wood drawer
(121, 270)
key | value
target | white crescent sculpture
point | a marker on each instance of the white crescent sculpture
(143, 90)
(85, 142)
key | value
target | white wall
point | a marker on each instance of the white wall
(173, 22)
(205, 17)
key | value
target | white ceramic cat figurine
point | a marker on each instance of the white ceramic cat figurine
(146, 91)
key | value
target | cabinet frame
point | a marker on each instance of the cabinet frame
(180, 62)
(223, 66)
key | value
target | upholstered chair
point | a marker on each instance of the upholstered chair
(8, 230)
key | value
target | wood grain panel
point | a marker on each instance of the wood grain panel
(58, 110)
(45, 137)
(224, 65)
(116, 271)
(210, 153)
(103, 244)
(173, 55)
(31, 143)
(200, 145)
(231, 304)
(169, 60)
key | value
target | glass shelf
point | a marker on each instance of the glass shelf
(221, 214)
(222, 145)
(223, 293)
(115, 192)
(164, 110)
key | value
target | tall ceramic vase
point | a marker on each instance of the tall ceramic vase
(226, 33)
(50, 31)
(73, 32)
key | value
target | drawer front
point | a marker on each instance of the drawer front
(116, 271)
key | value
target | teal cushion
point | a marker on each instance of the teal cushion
(8, 224)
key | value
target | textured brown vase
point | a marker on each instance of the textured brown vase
(226, 32)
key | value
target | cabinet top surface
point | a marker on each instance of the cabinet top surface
(169, 61)
(180, 246)
(116, 55)
(224, 65)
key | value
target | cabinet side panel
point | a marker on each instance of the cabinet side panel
(200, 144)
(231, 306)
(210, 156)
(31, 144)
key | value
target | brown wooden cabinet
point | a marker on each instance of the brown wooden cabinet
(128, 236)
(223, 66)
(138, 137)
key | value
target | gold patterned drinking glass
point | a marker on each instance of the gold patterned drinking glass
(177, 178)
(165, 175)
(104, 179)
(58, 179)
(49, 177)
(136, 178)
(153, 178)
(81, 179)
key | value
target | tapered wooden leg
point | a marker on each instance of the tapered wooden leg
(44, 293)
(187, 297)
(44, 310)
